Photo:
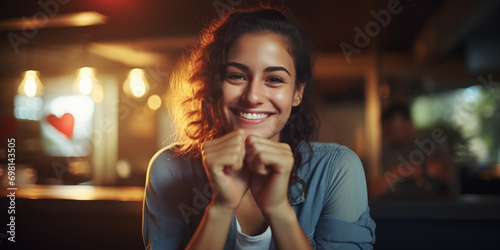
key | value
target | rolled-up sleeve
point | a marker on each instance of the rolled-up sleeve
(345, 221)
(338, 234)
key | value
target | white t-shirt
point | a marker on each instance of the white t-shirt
(258, 242)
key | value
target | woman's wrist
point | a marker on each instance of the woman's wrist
(279, 213)
(287, 232)
(213, 229)
(218, 210)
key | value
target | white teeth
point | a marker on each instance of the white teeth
(253, 116)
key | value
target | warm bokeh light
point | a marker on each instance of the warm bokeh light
(81, 192)
(87, 18)
(98, 93)
(136, 84)
(127, 53)
(85, 80)
(31, 85)
(78, 19)
(154, 102)
(85, 83)
(123, 169)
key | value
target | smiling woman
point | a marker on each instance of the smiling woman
(244, 174)
(258, 92)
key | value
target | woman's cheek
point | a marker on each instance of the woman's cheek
(281, 97)
(231, 92)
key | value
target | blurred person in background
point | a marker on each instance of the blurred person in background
(415, 164)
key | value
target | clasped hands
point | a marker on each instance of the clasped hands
(235, 163)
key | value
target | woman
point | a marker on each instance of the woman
(244, 174)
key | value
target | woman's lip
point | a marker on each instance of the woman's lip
(250, 121)
(238, 111)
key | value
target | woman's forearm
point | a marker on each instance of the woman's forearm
(287, 232)
(213, 229)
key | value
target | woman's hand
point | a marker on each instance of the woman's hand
(271, 164)
(223, 162)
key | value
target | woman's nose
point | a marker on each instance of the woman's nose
(254, 93)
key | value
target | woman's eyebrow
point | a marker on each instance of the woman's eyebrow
(268, 69)
(238, 65)
(276, 68)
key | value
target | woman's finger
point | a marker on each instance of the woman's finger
(268, 162)
(219, 153)
(218, 161)
(221, 143)
(264, 157)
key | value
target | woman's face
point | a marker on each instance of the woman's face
(258, 91)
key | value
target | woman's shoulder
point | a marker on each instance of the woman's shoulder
(168, 163)
(322, 146)
(328, 149)
(332, 156)
(164, 156)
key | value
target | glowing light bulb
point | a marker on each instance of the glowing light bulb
(85, 80)
(136, 84)
(31, 86)
(85, 85)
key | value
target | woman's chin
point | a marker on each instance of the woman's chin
(254, 132)
(263, 133)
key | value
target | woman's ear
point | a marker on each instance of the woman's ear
(299, 91)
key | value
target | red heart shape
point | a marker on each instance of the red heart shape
(64, 124)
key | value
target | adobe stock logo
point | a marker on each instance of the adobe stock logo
(50, 8)
(372, 29)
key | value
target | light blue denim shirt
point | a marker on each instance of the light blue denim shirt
(334, 213)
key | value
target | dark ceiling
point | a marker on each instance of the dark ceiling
(422, 31)
(328, 22)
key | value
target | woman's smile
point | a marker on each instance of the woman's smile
(251, 116)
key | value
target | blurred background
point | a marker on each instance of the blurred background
(413, 87)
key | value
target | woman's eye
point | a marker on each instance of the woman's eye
(236, 77)
(275, 79)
